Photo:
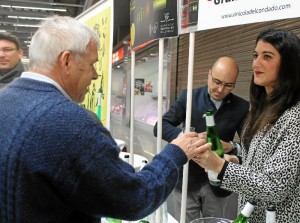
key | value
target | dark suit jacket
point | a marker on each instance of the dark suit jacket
(228, 119)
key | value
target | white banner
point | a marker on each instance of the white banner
(223, 13)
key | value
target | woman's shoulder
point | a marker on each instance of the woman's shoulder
(291, 117)
(294, 111)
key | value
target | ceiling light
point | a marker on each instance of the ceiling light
(26, 25)
(25, 17)
(42, 9)
(5, 6)
(34, 8)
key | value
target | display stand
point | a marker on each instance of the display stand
(138, 159)
(122, 144)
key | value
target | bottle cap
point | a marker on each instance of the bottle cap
(248, 209)
(210, 121)
(271, 208)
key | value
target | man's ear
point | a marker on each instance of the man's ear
(65, 62)
(20, 53)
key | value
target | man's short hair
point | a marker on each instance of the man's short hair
(10, 37)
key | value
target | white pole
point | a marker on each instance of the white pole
(188, 122)
(160, 93)
(159, 110)
(131, 160)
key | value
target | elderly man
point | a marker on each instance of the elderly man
(10, 58)
(229, 111)
(58, 163)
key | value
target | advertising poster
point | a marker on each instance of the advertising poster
(152, 19)
(139, 86)
(223, 13)
(100, 18)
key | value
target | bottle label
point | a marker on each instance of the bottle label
(210, 121)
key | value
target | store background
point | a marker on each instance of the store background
(236, 41)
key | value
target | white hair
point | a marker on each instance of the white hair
(56, 35)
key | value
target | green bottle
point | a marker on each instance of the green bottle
(245, 213)
(113, 220)
(212, 134)
(214, 139)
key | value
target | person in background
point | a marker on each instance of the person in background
(269, 172)
(229, 112)
(11, 66)
(58, 163)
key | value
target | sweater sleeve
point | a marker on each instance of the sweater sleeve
(88, 175)
(96, 181)
(110, 187)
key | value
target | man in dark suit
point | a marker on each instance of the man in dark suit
(229, 112)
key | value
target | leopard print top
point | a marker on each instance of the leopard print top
(270, 173)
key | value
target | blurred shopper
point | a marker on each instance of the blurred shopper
(269, 173)
(58, 163)
(229, 111)
(11, 66)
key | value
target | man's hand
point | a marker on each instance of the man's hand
(191, 144)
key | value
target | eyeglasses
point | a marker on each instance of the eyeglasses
(219, 83)
(7, 50)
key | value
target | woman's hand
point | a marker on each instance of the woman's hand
(209, 160)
